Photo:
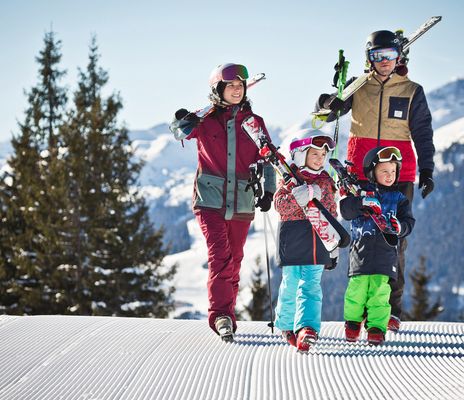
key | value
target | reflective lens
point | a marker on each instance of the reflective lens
(378, 55)
(388, 153)
(317, 142)
(234, 71)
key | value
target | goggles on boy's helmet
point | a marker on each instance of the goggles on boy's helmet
(227, 73)
(388, 154)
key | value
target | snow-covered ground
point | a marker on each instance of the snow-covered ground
(105, 358)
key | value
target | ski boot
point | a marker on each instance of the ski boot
(394, 324)
(375, 336)
(289, 337)
(225, 328)
(352, 331)
(305, 339)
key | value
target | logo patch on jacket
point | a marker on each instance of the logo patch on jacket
(398, 107)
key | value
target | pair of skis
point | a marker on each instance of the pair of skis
(349, 182)
(363, 79)
(329, 230)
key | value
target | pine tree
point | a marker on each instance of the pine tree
(117, 252)
(75, 234)
(421, 309)
(258, 309)
(29, 192)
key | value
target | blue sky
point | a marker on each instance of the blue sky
(159, 55)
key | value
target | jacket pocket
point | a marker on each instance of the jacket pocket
(245, 200)
(398, 108)
(209, 191)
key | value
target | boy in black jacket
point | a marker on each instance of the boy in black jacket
(373, 262)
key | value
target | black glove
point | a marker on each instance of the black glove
(264, 203)
(187, 116)
(426, 182)
(332, 265)
(331, 102)
(322, 99)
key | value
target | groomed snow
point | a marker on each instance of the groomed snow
(65, 357)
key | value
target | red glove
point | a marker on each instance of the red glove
(395, 225)
(371, 204)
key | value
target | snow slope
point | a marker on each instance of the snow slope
(90, 358)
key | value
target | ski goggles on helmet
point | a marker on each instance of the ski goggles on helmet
(229, 72)
(378, 55)
(388, 153)
(317, 142)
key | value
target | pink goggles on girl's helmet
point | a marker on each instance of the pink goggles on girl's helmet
(317, 142)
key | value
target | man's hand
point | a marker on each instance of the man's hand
(426, 182)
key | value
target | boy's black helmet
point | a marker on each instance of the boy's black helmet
(382, 40)
(375, 156)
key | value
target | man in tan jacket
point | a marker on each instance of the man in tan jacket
(389, 110)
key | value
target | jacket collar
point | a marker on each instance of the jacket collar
(394, 79)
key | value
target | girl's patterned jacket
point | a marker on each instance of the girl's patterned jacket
(298, 243)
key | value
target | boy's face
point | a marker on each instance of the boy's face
(385, 173)
(315, 158)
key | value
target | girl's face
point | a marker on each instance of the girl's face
(234, 91)
(315, 158)
(385, 173)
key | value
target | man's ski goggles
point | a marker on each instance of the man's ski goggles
(234, 71)
(317, 142)
(378, 55)
(388, 153)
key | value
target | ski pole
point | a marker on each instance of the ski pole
(342, 69)
(271, 324)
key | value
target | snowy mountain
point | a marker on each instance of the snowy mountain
(447, 103)
(106, 358)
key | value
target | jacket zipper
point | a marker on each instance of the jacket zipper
(382, 85)
(314, 246)
(380, 114)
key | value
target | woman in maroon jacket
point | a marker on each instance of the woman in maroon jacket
(223, 207)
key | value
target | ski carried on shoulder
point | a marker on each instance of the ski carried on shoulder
(363, 79)
(349, 182)
(204, 112)
(329, 230)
